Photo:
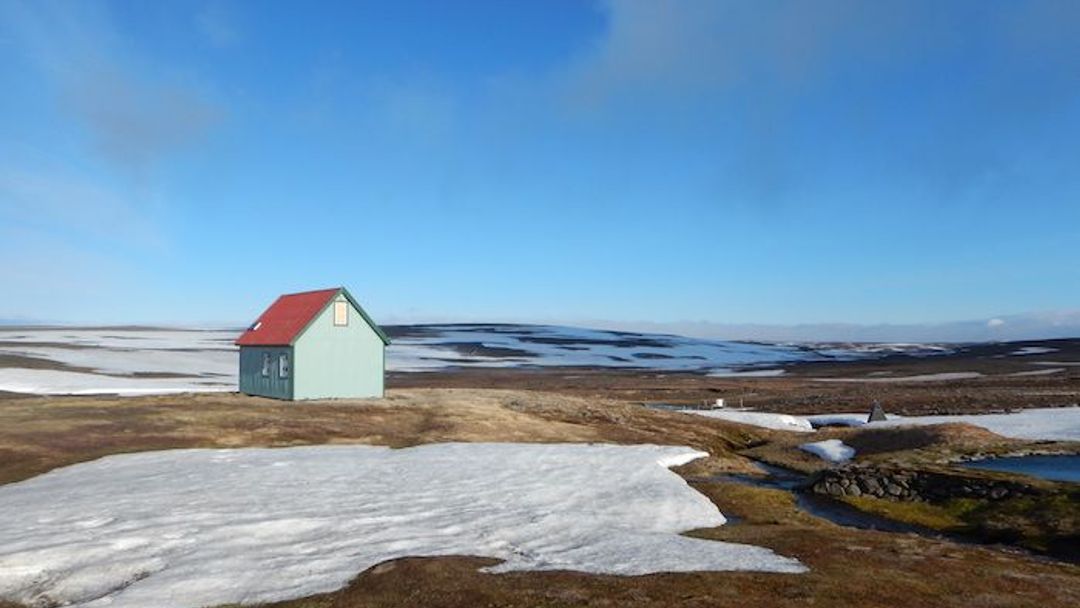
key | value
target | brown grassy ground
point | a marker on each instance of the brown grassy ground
(42, 433)
(801, 392)
(847, 567)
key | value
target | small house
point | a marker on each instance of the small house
(313, 345)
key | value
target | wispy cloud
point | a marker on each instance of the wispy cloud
(136, 113)
(81, 199)
(690, 47)
(137, 123)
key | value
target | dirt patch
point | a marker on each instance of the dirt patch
(28, 362)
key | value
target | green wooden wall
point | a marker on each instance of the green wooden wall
(338, 361)
(252, 381)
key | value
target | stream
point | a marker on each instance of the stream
(837, 512)
(842, 514)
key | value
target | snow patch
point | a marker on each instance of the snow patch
(832, 450)
(188, 528)
(1033, 350)
(756, 373)
(1040, 372)
(919, 378)
(782, 422)
(1051, 424)
(1056, 363)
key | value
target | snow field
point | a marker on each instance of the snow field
(188, 528)
(1049, 424)
(210, 359)
(59, 382)
(547, 345)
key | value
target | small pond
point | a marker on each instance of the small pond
(1054, 468)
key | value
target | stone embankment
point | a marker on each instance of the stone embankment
(904, 484)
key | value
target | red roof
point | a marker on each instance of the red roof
(286, 318)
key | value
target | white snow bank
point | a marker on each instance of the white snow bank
(1056, 363)
(832, 450)
(755, 373)
(783, 422)
(58, 382)
(1053, 424)
(1033, 350)
(208, 527)
(944, 376)
(1040, 372)
(1050, 424)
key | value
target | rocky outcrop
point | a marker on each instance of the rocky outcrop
(905, 484)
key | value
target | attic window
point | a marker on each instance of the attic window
(257, 325)
(341, 313)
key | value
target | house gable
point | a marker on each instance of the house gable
(292, 314)
(335, 360)
(356, 308)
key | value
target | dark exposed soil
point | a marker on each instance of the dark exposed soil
(28, 362)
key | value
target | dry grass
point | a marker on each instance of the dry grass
(40, 434)
(798, 392)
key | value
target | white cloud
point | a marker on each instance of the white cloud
(135, 122)
(693, 46)
(995, 323)
(135, 113)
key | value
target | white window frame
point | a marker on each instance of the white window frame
(266, 365)
(283, 365)
(342, 319)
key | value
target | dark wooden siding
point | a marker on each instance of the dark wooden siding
(252, 381)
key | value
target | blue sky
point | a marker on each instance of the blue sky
(666, 162)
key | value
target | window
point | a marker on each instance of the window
(266, 365)
(283, 366)
(341, 313)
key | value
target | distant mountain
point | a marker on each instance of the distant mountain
(21, 321)
(1029, 326)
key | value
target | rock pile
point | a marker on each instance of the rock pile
(903, 484)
